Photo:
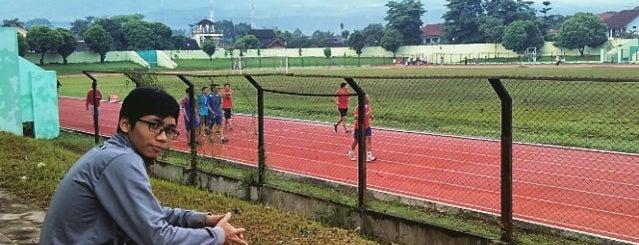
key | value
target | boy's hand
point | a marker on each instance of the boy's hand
(233, 235)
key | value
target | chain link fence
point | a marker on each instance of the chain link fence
(570, 165)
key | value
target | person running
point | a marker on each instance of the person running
(368, 132)
(341, 99)
(215, 113)
(186, 103)
(227, 106)
(106, 196)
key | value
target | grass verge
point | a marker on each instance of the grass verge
(348, 196)
(32, 169)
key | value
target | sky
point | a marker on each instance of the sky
(307, 15)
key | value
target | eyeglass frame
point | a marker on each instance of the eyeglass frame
(168, 131)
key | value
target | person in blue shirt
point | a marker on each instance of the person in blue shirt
(215, 114)
(203, 108)
(106, 196)
(186, 103)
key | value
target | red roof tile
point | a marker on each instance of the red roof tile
(622, 19)
(433, 30)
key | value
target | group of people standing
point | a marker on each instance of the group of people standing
(342, 101)
(214, 108)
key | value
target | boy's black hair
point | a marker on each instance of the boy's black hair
(343, 84)
(148, 101)
(227, 84)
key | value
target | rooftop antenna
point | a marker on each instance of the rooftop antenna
(252, 16)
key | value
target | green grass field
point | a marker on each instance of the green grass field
(279, 63)
(590, 114)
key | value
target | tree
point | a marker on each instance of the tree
(13, 23)
(509, 11)
(555, 21)
(520, 35)
(492, 28)
(68, 44)
(391, 41)
(327, 52)
(179, 42)
(296, 39)
(37, 22)
(405, 16)
(345, 34)
(545, 9)
(79, 26)
(581, 30)
(373, 34)
(42, 39)
(118, 41)
(161, 36)
(228, 28)
(208, 47)
(515, 37)
(461, 21)
(321, 38)
(138, 35)
(241, 29)
(22, 45)
(114, 25)
(98, 40)
(247, 42)
(356, 42)
(127, 17)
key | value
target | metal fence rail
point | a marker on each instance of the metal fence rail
(555, 153)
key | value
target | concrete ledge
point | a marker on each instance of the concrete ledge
(377, 225)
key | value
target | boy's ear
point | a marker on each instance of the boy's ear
(124, 124)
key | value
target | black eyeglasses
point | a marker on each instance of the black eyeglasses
(156, 127)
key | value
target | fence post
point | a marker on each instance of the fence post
(261, 156)
(506, 160)
(96, 127)
(192, 135)
(361, 152)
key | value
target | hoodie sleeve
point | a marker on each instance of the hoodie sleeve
(125, 192)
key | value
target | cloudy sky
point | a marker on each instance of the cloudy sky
(307, 15)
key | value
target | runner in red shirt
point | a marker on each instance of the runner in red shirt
(341, 99)
(367, 131)
(89, 100)
(227, 106)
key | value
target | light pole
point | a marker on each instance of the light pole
(637, 50)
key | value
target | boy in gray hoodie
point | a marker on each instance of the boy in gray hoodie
(106, 197)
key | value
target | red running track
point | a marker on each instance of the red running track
(593, 192)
